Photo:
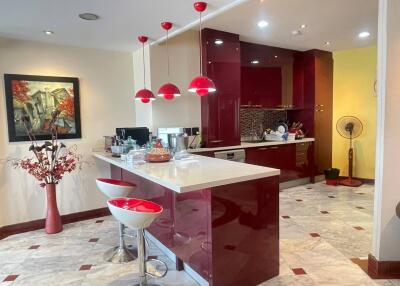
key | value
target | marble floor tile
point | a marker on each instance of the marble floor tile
(318, 236)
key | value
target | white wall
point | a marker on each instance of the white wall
(183, 111)
(387, 193)
(144, 111)
(107, 90)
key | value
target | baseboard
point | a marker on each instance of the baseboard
(383, 269)
(294, 183)
(8, 230)
(363, 180)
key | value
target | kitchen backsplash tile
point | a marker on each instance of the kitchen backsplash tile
(259, 118)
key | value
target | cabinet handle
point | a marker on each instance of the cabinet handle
(319, 105)
(319, 110)
(216, 141)
(268, 148)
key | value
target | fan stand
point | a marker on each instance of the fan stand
(349, 181)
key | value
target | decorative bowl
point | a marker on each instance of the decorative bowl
(158, 153)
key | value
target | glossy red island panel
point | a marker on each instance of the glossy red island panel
(228, 234)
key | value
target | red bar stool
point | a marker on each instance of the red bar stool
(138, 215)
(116, 189)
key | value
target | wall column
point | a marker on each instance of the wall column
(385, 257)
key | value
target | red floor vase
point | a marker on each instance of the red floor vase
(53, 218)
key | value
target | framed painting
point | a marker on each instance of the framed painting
(37, 97)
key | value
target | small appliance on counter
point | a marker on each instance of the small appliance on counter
(158, 153)
(108, 142)
(162, 133)
(178, 144)
(140, 134)
(121, 146)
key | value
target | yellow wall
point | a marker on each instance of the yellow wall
(353, 94)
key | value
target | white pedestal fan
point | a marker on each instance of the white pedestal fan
(350, 127)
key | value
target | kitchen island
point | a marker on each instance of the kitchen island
(220, 217)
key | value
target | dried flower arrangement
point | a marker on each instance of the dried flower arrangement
(52, 158)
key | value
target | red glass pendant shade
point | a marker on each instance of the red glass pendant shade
(168, 90)
(200, 6)
(201, 85)
(143, 39)
(166, 25)
(144, 95)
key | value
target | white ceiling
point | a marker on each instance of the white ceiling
(121, 21)
(336, 21)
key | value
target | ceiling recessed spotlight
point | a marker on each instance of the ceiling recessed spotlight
(255, 62)
(48, 32)
(364, 34)
(89, 16)
(218, 42)
(327, 43)
(275, 56)
(303, 26)
(262, 24)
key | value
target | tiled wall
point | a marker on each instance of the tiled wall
(260, 119)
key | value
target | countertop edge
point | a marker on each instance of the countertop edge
(183, 189)
(250, 145)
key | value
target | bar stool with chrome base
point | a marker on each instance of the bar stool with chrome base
(115, 189)
(138, 214)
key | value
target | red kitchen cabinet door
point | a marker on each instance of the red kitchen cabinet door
(261, 86)
(220, 110)
(294, 160)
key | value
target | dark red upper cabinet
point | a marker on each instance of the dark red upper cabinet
(220, 110)
(268, 76)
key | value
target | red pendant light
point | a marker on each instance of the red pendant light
(144, 95)
(168, 90)
(201, 85)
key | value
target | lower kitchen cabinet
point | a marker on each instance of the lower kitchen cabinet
(294, 160)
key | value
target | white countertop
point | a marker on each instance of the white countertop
(194, 173)
(251, 145)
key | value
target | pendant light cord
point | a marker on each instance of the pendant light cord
(201, 52)
(144, 68)
(167, 57)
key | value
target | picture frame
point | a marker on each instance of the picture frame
(37, 96)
